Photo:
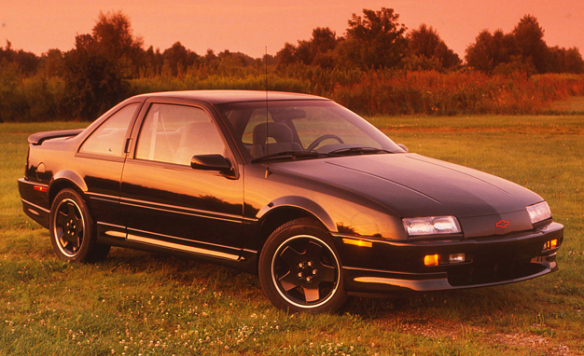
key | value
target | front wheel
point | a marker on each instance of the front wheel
(299, 269)
(73, 230)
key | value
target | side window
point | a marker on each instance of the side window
(108, 139)
(175, 133)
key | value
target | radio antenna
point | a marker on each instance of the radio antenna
(267, 117)
(266, 59)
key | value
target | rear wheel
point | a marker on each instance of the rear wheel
(73, 230)
(300, 270)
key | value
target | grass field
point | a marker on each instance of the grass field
(136, 303)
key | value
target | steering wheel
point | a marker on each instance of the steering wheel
(322, 138)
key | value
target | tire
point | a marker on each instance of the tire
(73, 230)
(299, 269)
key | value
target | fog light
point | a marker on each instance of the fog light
(456, 257)
(432, 260)
(550, 245)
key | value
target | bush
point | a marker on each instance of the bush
(45, 99)
(383, 92)
(462, 93)
(12, 103)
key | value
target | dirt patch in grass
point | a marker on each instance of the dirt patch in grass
(510, 340)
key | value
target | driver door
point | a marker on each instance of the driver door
(168, 204)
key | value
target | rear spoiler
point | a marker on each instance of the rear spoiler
(39, 137)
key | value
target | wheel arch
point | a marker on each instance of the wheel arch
(285, 209)
(66, 179)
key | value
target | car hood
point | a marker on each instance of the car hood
(413, 185)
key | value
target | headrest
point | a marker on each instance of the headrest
(279, 131)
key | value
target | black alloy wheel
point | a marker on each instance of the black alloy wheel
(300, 270)
(73, 230)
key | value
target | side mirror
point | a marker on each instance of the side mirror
(211, 163)
(403, 147)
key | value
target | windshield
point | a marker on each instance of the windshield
(302, 129)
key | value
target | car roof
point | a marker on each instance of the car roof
(232, 96)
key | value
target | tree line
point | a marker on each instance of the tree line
(110, 63)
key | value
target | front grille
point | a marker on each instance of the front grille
(493, 272)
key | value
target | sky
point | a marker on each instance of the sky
(249, 26)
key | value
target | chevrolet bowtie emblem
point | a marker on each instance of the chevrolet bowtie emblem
(502, 224)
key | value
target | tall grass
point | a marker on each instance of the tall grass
(462, 93)
(140, 303)
(193, 82)
(395, 92)
(383, 92)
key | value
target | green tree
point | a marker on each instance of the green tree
(318, 51)
(233, 64)
(425, 43)
(573, 62)
(178, 58)
(25, 62)
(114, 37)
(479, 54)
(94, 81)
(492, 50)
(563, 60)
(530, 44)
(98, 68)
(374, 41)
(151, 63)
(322, 46)
(521, 50)
(286, 56)
(10, 100)
(52, 63)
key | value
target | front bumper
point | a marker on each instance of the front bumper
(387, 267)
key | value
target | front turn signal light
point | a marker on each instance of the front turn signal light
(432, 260)
(435, 260)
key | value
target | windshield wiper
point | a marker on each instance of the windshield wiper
(287, 154)
(356, 151)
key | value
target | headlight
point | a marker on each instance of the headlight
(539, 212)
(431, 225)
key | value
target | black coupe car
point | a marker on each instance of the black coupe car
(293, 187)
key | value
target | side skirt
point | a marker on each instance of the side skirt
(242, 259)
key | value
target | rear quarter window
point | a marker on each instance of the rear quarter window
(109, 138)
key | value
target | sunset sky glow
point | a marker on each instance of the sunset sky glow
(249, 26)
